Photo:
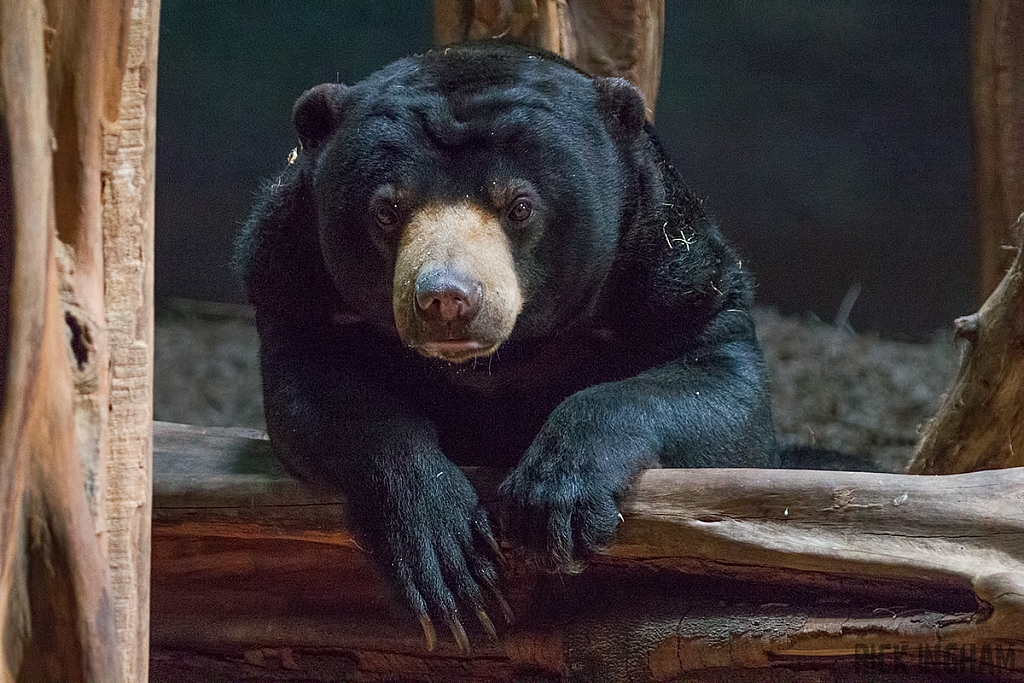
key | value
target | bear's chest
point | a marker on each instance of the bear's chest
(489, 411)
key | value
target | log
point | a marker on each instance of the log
(83, 88)
(55, 609)
(713, 573)
(997, 95)
(980, 424)
(620, 38)
(78, 104)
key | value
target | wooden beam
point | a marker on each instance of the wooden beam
(756, 570)
(603, 37)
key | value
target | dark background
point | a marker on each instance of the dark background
(831, 139)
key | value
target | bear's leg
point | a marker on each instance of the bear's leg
(708, 410)
(411, 508)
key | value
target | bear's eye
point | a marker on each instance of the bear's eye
(521, 209)
(386, 215)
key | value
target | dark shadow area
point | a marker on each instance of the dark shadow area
(229, 75)
(832, 140)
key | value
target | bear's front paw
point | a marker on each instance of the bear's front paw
(432, 539)
(560, 518)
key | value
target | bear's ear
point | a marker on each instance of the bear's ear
(317, 113)
(621, 105)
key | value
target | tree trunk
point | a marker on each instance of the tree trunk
(603, 37)
(77, 98)
(997, 65)
(980, 424)
(128, 165)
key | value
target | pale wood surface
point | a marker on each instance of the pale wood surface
(603, 37)
(83, 88)
(24, 136)
(129, 145)
(756, 569)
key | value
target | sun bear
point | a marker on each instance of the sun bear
(482, 256)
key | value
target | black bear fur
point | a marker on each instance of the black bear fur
(634, 348)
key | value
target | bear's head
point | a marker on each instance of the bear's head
(473, 194)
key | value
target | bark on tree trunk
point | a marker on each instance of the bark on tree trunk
(78, 104)
(128, 166)
(997, 64)
(56, 607)
(980, 424)
(603, 37)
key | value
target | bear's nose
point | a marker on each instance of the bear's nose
(448, 294)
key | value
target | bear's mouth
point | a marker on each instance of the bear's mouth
(456, 350)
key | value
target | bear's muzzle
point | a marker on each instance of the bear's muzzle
(456, 293)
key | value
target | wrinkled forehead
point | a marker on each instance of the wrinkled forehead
(448, 126)
(456, 97)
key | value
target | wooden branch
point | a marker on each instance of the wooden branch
(809, 570)
(997, 65)
(603, 37)
(980, 424)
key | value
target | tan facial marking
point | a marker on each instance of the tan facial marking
(459, 237)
